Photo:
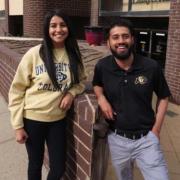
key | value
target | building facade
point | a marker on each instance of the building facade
(25, 17)
(156, 23)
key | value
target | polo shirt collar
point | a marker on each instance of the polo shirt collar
(136, 65)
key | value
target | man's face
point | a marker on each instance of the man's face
(120, 42)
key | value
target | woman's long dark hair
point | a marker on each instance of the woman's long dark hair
(46, 50)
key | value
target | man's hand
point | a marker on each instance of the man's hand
(105, 107)
(103, 103)
(156, 131)
(161, 109)
(21, 135)
(66, 102)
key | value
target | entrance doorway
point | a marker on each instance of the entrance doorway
(153, 44)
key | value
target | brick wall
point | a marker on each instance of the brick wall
(172, 70)
(34, 11)
(33, 17)
(72, 7)
(9, 61)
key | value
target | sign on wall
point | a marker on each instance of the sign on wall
(147, 1)
(150, 5)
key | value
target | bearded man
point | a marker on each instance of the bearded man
(124, 83)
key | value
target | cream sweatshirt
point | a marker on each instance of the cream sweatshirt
(32, 94)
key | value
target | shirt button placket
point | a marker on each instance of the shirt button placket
(125, 80)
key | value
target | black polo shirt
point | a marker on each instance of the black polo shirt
(130, 92)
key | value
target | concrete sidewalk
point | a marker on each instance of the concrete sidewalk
(13, 158)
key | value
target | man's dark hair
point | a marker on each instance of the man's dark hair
(121, 23)
(46, 50)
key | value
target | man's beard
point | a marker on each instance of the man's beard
(123, 56)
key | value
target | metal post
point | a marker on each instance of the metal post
(150, 44)
(130, 5)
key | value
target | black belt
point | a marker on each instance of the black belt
(130, 134)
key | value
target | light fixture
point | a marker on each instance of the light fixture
(143, 32)
(160, 34)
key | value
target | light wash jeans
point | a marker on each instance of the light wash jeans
(145, 151)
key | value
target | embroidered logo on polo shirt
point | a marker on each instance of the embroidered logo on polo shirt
(141, 80)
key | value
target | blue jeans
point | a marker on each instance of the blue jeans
(145, 151)
(54, 135)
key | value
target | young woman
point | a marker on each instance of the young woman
(47, 79)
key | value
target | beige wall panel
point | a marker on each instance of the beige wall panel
(125, 5)
(155, 6)
(2, 5)
(15, 7)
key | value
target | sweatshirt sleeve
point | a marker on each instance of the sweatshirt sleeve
(80, 87)
(17, 91)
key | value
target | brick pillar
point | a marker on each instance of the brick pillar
(94, 12)
(172, 70)
(34, 11)
(87, 155)
(87, 148)
(80, 142)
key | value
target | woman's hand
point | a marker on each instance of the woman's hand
(21, 135)
(66, 102)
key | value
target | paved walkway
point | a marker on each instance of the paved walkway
(13, 158)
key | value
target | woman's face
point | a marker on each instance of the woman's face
(58, 31)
